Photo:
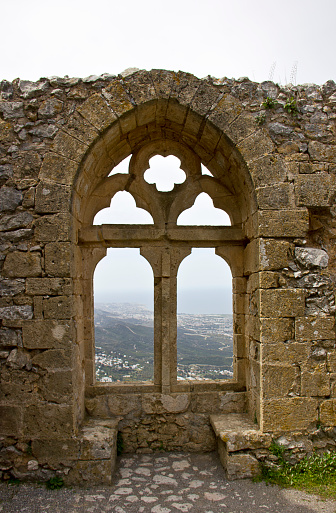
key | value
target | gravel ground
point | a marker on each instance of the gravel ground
(164, 483)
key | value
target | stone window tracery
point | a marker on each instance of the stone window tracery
(165, 243)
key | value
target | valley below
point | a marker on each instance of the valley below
(124, 340)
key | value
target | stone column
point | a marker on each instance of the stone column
(165, 262)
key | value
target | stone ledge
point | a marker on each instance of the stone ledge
(238, 432)
(236, 436)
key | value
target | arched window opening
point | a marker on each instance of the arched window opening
(165, 172)
(205, 171)
(203, 213)
(123, 315)
(122, 167)
(123, 210)
(204, 317)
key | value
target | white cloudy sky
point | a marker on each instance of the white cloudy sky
(218, 37)
(232, 38)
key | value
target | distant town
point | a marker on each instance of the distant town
(124, 339)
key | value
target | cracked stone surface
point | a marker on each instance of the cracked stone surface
(164, 483)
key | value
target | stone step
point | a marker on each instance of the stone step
(237, 438)
(97, 440)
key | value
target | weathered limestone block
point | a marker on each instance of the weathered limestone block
(282, 302)
(48, 286)
(56, 452)
(53, 228)
(314, 328)
(279, 380)
(10, 222)
(243, 126)
(268, 170)
(18, 359)
(56, 386)
(50, 108)
(45, 131)
(117, 98)
(238, 303)
(91, 473)
(161, 403)
(31, 89)
(81, 129)
(10, 199)
(274, 197)
(227, 109)
(312, 257)
(291, 353)
(58, 307)
(289, 414)
(16, 312)
(12, 110)
(283, 223)
(17, 235)
(43, 421)
(58, 259)
(184, 87)
(98, 440)
(10, 287)
(255, 146)
(322, 152)
(52, 198)
(68, 146)
(238, 432)
(266, 254)
(263, 280)
(27, 166)
(331, 361)
(206, 402)
(47, 334)
(10, 420)
(241, 466)
(10, 338)
(19, 264)
(53, 359)
(58, 169)
(29, 198)
(123, 404)
(6, 172)
(97, 112)
(315, 381)
(205, 98)
(6, 131)
(140, 87)
(314, 190)
(328, 412)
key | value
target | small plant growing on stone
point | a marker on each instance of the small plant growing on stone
(54, 483)
(260, 119)
(269, 103)
(291, 106)
(120, 443)
(13, 481)
(278, 450)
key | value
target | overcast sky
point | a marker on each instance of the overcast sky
(230, 38)
(260, 39)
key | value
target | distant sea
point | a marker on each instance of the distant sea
(192, 301)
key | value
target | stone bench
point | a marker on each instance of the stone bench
(237, 439)
(86, 459)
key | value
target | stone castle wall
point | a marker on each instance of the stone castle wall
(272, 154)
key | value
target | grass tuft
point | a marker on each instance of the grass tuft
(54, 483)
(314, 474)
